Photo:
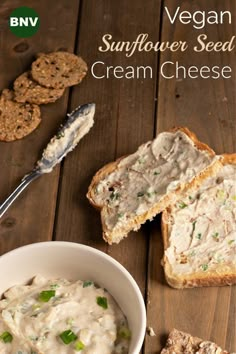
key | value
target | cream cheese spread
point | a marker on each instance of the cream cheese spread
(62, 317)
(202, 227)
(67, 138)
(10, 346)
(142, 179)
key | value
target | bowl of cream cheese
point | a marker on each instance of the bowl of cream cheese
(69, 298)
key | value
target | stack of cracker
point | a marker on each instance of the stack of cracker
(46, 82)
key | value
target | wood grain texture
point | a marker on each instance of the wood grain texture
(207, 107)
(31, 217)
(124, 119)
(126, 116)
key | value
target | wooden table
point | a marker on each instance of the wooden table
(129, 112)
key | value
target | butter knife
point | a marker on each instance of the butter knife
(76, 126)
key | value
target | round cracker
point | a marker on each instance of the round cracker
(7, 94)
(58, 69)
(28, 90)
(16, 119)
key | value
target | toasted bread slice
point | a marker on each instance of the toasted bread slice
(183, 343)
(135, 188)
(199, 232)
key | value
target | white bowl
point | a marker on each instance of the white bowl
(75, 261)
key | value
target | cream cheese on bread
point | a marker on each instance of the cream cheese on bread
(202, 228)
(143, 179)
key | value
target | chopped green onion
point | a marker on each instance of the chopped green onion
(124, 332)
(102, 301)
(68, 336)
(87, 283)
(215, 235)
(36, 307)
(140, 194)
(70, 321)
(199, 236)
(221, 194)
(33, 338)
(79, 346)
(120, 215)
(114, 196)
(182, 205)
(6, 337)
(192, 254)
(46, 295)
(156, 173)
(194, 226)
(141, 160)
(54, 286)
(219, 258)
(60, 135)
(204, 267)
(35, 315)
(230, 242)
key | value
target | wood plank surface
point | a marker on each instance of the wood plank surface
(124, 119)
(208, 108)
(31, 217)
(128, 113)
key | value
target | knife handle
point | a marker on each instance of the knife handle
(24, 183)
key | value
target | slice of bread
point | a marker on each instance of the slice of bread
(199, 232)
(135, 188)
(183, 343)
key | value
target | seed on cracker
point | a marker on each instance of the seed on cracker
(58, 69)
(16, 119)
(28, 90)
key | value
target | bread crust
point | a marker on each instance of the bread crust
(138, 220)
(220, 277)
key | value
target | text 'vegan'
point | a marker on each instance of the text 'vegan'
(198, 18)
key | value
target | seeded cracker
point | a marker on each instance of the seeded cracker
(28, 90)
(16, 120)
(59, 70)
